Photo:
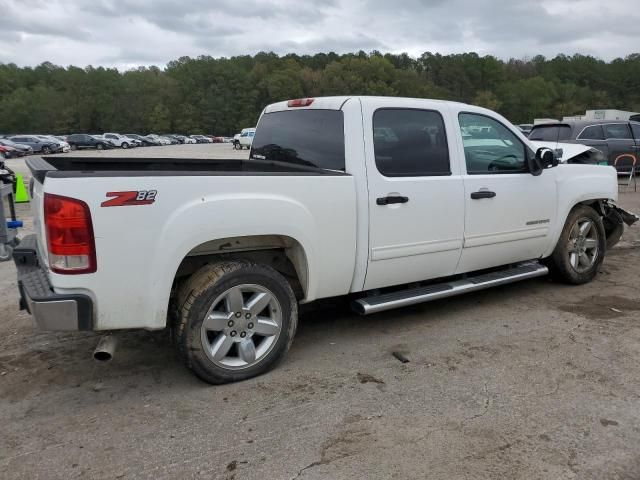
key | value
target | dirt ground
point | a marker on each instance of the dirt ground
(532, 380)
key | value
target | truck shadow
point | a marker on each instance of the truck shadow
(147, 363)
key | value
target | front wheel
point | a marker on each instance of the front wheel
(581, 248)
(125, 145)
(236, 320)
(99, 146)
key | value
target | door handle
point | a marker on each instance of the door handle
(391, 199)
(482, 194)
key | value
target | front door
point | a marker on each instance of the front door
(416, 205)
(508, 211)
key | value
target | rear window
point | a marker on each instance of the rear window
(550, 133)
(313, 138)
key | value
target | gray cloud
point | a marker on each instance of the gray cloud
(125, 33)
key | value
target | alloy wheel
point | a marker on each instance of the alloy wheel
(241, 326)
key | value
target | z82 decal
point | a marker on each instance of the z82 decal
(125, 199)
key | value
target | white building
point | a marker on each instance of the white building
(608, 114)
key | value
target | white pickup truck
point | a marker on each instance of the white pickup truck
(391, 201)
(244, 139)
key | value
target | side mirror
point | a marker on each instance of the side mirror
(543, 159)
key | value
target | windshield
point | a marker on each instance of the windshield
(305, 137)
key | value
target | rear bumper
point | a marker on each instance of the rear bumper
(51, 311)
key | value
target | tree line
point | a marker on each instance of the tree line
(222, 95)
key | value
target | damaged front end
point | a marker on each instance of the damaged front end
(614, 219)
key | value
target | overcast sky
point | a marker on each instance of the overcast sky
(128, 33)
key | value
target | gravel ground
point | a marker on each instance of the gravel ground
(532, 380)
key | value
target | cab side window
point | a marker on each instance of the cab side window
(490, 147)
(636, 130)
(410, 143)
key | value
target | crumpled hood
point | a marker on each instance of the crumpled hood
(564, 151)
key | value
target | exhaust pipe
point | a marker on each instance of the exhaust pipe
(105, 349)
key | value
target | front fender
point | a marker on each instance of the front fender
(578, 184)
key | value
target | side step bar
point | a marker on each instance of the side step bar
(387, 301)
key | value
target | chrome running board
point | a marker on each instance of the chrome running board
(387, 301)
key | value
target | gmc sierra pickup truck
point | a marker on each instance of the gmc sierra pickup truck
(390, 201)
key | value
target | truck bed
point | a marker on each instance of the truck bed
(68, 166)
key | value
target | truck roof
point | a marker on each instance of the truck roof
(336, 103)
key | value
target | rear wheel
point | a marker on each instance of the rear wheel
(125, 145)
(73, 146)
(46, 150)
(100, 146)
(581, 248)
(236, 321)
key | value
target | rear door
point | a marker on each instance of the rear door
(416, 204)
(619, 140)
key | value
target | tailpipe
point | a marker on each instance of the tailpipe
(106, 348)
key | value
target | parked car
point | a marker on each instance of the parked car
(201, 139)
(21, 149)
(172, 139)
(245, 139)
(160, 139)
(83, 140)
(229, 286)
(8, 152)
(37, 144)
(64, 146)
(612, 138)
(120, 141)
(525, 128)
(144, 141)
(188, 140)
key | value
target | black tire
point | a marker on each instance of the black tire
(46, 150)
(197, 295)
(99, 146)
(125, 145)
(73, 146)
(560, 260)
(613, 227)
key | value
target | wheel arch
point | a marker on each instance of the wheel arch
(282, 252)
(596, 202)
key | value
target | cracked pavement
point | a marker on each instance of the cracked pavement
(527, 381)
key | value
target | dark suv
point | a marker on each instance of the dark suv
(613, 138)
(82, 140)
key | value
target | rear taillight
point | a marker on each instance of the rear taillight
(69, 233)
(300, 102)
